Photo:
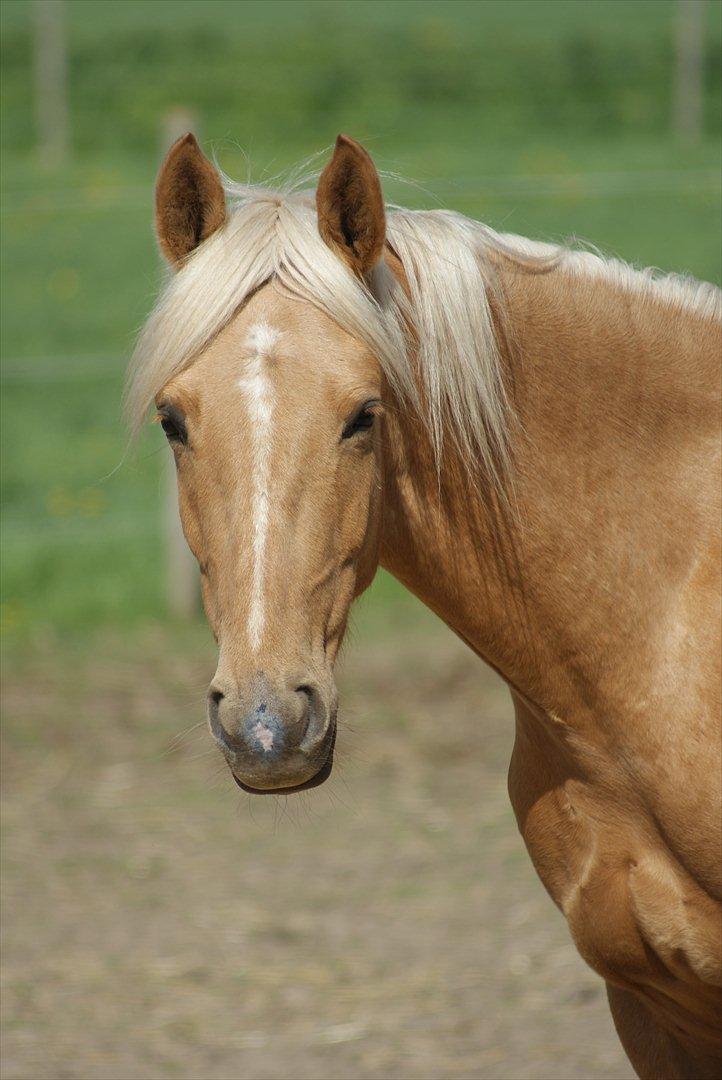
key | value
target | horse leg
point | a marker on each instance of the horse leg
(653, 1052)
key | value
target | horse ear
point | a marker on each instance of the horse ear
(189, 200)
(350, 206)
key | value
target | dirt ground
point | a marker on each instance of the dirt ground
(159, 923)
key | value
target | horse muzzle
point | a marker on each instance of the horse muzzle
(275, 740)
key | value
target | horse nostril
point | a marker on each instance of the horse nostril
(313, 720)
(215, 697)
(310, 705)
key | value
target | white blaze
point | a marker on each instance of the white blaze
(259, 396)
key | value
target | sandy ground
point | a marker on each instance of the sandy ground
(158, 923)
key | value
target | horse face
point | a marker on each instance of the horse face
(275, 430)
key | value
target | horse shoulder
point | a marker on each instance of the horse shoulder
(635, 913)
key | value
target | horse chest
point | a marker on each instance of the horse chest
(635, 914)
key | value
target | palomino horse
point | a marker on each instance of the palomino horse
(527, 438)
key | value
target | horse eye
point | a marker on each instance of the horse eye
(174, 429)
(363, 420)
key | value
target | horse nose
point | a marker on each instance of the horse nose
(271, 736)
(264, 724)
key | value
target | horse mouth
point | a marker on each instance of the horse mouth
(318, 778)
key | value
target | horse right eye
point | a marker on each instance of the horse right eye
(170, 428)
(174, 428)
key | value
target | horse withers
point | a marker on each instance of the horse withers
(529, 439)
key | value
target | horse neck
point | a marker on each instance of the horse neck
(565, 589)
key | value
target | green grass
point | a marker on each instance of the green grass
(278, 74)
(549, 119)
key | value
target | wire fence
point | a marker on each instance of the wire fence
(38, 530)
(51, 369)
(41, 530)
(17, 202)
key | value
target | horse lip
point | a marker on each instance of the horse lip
(318, 778)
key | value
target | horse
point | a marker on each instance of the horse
(528, 437)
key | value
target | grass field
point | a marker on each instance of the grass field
(486, 107)
(157, 923)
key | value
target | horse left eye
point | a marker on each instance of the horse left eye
(361, 421)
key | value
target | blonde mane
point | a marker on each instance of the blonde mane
(437, 346)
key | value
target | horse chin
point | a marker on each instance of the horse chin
(318, 778)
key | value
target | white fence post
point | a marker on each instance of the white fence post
(688, 99)
(51, 83)
(181, 570)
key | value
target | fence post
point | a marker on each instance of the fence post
(51, 82)
(688, 97)
(181, 570)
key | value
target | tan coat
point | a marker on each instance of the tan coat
(589, 578)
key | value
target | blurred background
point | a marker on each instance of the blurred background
(158, 923)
